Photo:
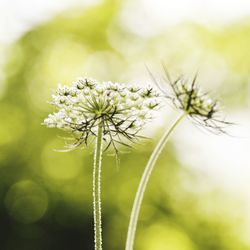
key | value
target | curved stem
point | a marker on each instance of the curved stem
(143, 183)
(97, 188)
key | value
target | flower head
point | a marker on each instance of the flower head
(121, 110)
(187, 97)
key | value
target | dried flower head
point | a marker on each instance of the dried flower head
(187, 96)
(122, 110)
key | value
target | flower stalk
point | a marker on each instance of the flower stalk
(144, 181)
(194, 104)
(97, 188)
(112, 113)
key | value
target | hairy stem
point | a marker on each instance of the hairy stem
(143, 183)
(97, 188)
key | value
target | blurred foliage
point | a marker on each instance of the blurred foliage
(45, 195)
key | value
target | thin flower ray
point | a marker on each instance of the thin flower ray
(187, 97)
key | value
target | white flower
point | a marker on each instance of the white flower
(122, 110)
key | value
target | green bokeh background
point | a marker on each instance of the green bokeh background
(46, 196)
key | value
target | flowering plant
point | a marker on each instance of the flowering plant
(110, 113)
(199, 107)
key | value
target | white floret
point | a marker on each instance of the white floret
(129, 106)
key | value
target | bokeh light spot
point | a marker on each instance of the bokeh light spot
(11, 125)
(26, 201)
(164, 237)
(58, 165)
(47, 72)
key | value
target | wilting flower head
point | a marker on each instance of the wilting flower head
(187, 96)
(121, 110)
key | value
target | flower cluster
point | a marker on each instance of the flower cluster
(197, 105)
(121, 110)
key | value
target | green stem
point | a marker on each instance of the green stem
(143, 183)
(97, 188)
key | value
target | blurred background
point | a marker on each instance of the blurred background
(198, 197)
